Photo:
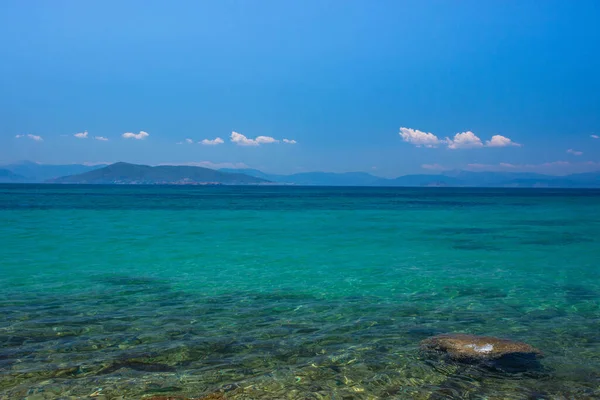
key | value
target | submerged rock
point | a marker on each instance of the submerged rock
(503, 354)
(464, 347)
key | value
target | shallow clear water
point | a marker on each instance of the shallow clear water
(127, 292)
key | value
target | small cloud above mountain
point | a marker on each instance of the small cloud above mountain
(81, 135)
(553, 167)
(242, 140)
(419, 138)
(137, 136)
(500, 141)
(30, 136)
(212, 142)
(265, 139)
(433, 167)
(464, 140)
(461, 140)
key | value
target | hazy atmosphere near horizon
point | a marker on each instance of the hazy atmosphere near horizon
(390, 88)
(300, 200)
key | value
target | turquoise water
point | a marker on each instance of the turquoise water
(127, 292)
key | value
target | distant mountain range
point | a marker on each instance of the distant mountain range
(124, 173)
(315, 178)
(7, 176)
(449, 178)
(31, 172)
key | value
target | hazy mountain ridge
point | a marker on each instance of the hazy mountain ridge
(125, 173)
(34, 172)
(7, 176)
(456, 178)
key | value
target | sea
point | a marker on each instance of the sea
(281, 292)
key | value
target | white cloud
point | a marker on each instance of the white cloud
(213, 142)
(81, 135)
(265, 139)
(507, 165)
(575, 152)
(101, 138)
(419, 138)
(464, 140)
(211, 165)
(30, 136)
(190, 141)
(137, 136)
(501, 166)
(434, 167)
(595, 136)
(289, 141)
(488, 167)
(242, 140)
(500, 141)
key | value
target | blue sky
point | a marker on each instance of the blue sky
(340, 78)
